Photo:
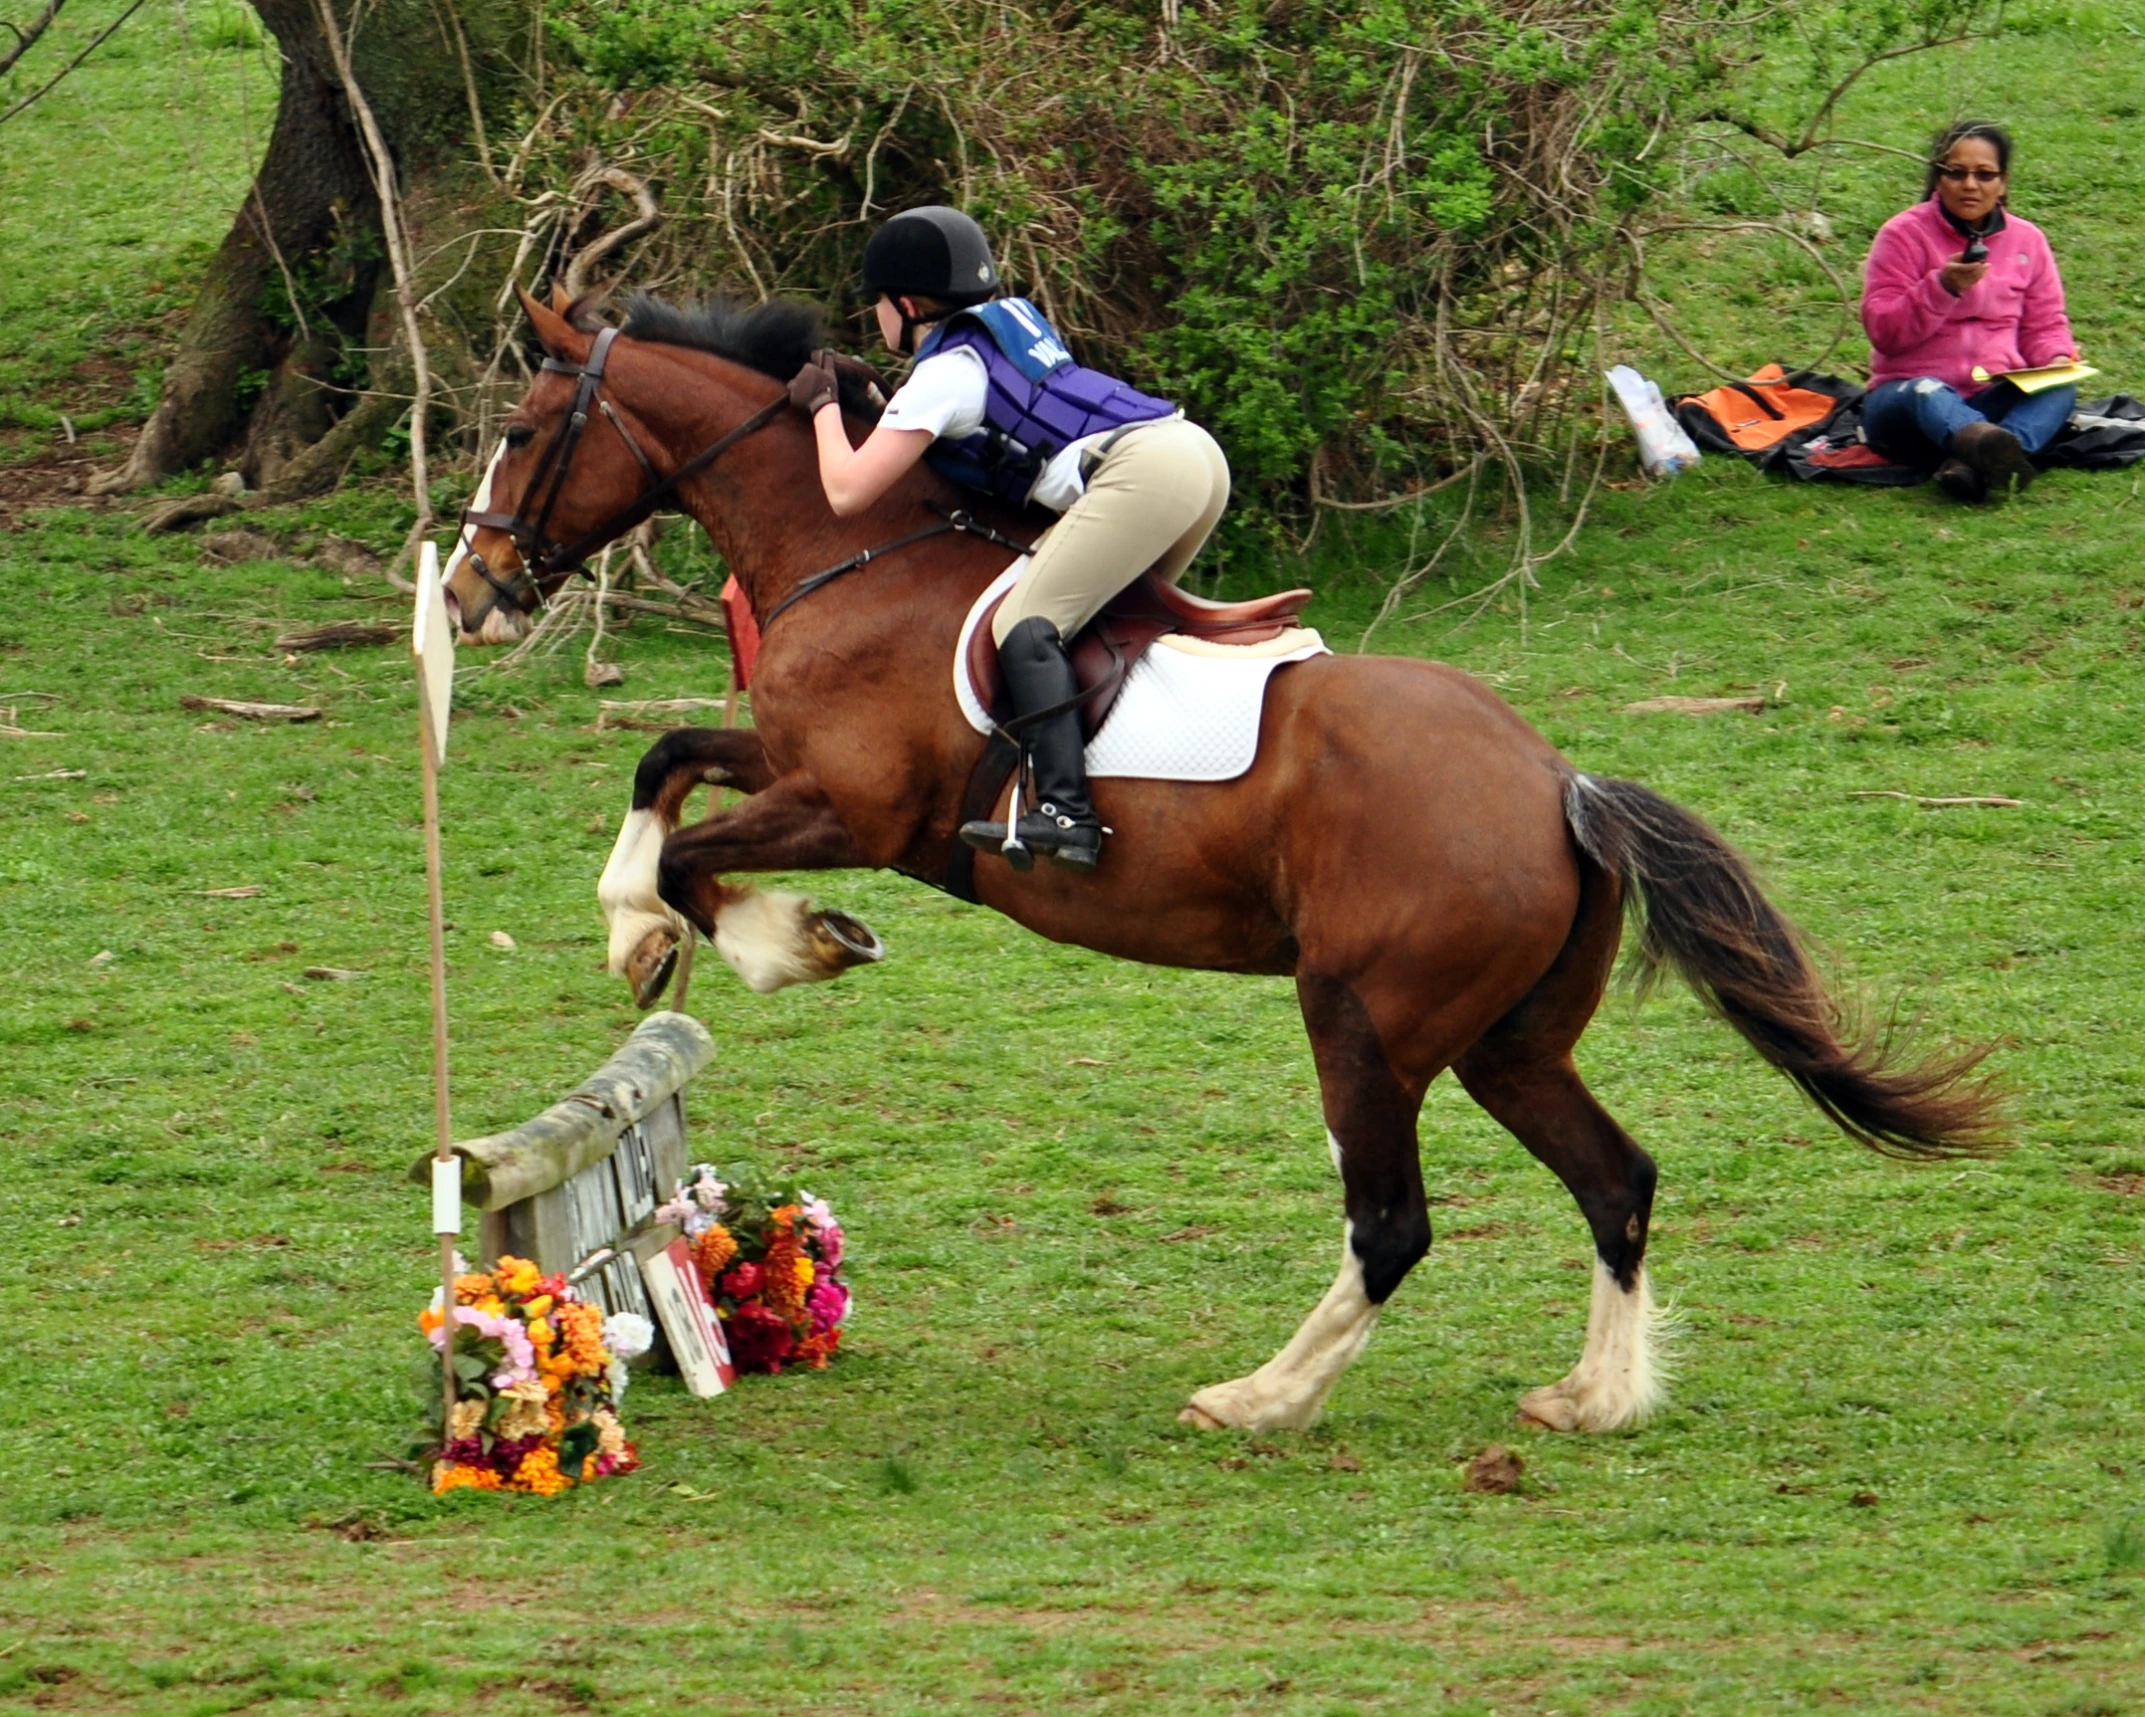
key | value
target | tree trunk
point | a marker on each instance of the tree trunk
(291, 293)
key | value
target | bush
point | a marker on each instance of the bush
(1361, 242)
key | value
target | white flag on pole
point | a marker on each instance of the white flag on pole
(432, 642)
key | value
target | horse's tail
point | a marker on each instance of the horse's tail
(1698, 909)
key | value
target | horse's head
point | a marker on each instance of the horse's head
(578, 465)
(567, 463)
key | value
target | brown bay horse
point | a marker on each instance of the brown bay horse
(1445, 889)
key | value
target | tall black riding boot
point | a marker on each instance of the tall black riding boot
(1061, 821)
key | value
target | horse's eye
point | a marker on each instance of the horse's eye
(520, 434)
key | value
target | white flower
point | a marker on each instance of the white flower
(619, 1378)
(628, 1335)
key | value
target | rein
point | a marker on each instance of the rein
(956, 519)
(524, 593)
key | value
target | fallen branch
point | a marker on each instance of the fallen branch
(57, 775)
(610, 707)
(251, 711)
(1941, 803)
(340, 635)
(1695, 706)
(696, 608)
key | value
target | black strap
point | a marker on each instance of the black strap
(1001, 756)
(618, 524)
(1757, 399)
(953, 519)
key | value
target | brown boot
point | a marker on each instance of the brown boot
(1994, 451)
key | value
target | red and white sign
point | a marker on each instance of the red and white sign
(689, 1323)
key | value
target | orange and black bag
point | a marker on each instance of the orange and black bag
(1750, 417)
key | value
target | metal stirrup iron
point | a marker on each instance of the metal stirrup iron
(1013, 843)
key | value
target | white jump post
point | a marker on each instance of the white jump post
(432, 643)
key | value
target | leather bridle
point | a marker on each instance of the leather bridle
(523, 592)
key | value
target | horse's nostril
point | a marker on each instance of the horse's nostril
(454, 607)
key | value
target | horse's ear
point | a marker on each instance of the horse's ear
(556, 334)
(561, 299)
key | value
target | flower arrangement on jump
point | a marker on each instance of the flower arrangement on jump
(539, 1372)
(770, 1259)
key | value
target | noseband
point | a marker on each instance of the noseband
(541, 558)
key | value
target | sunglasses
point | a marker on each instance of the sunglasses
(1970, 175)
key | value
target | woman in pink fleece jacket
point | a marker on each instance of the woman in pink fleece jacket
(1957, 282)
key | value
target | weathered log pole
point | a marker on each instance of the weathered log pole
(508, 1175)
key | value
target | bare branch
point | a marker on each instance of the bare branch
(25, 40)
(575, 279)
(96, 42)
(382, 165)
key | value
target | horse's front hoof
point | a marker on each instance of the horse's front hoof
(648, 967)
(847, 941)
(1200, 1421)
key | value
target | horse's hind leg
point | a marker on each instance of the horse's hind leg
(1521, 1072)
(1370, 1121)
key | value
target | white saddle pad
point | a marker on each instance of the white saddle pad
(1189, 710)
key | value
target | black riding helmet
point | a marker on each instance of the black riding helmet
(932, 252)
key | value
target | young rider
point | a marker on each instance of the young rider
(994, 401)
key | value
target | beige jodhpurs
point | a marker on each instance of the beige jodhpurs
(1150, 504)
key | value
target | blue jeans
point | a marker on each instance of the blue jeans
(1912, 422)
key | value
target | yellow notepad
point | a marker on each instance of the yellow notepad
(2036, 381)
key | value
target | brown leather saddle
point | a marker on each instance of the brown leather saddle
(1108, 646)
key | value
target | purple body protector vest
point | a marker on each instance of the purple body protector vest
(1038, 403)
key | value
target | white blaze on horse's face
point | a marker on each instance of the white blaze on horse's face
(502, 625)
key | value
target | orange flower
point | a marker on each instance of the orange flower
(452, 1475)
(471, 1288)
(539, 1473)
(783, 1290)
(816, 1350)
(517, 1275)
(429, 1320)
(713, 1252)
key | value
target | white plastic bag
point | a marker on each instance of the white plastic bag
(1664, 449)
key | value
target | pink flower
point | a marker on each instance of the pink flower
(828, 1243)
(817, 1212)
(828, 1302)
(507, 1332)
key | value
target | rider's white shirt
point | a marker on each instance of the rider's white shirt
(945, 394)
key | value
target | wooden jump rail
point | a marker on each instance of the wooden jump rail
(578, 1178)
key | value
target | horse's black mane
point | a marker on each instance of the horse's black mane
(774, 338)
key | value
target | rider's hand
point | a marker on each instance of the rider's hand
(856, 369)
(815, 385)
(1961, 276)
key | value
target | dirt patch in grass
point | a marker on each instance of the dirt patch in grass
(57, 477)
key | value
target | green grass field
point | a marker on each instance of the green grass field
(1904, 1470)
